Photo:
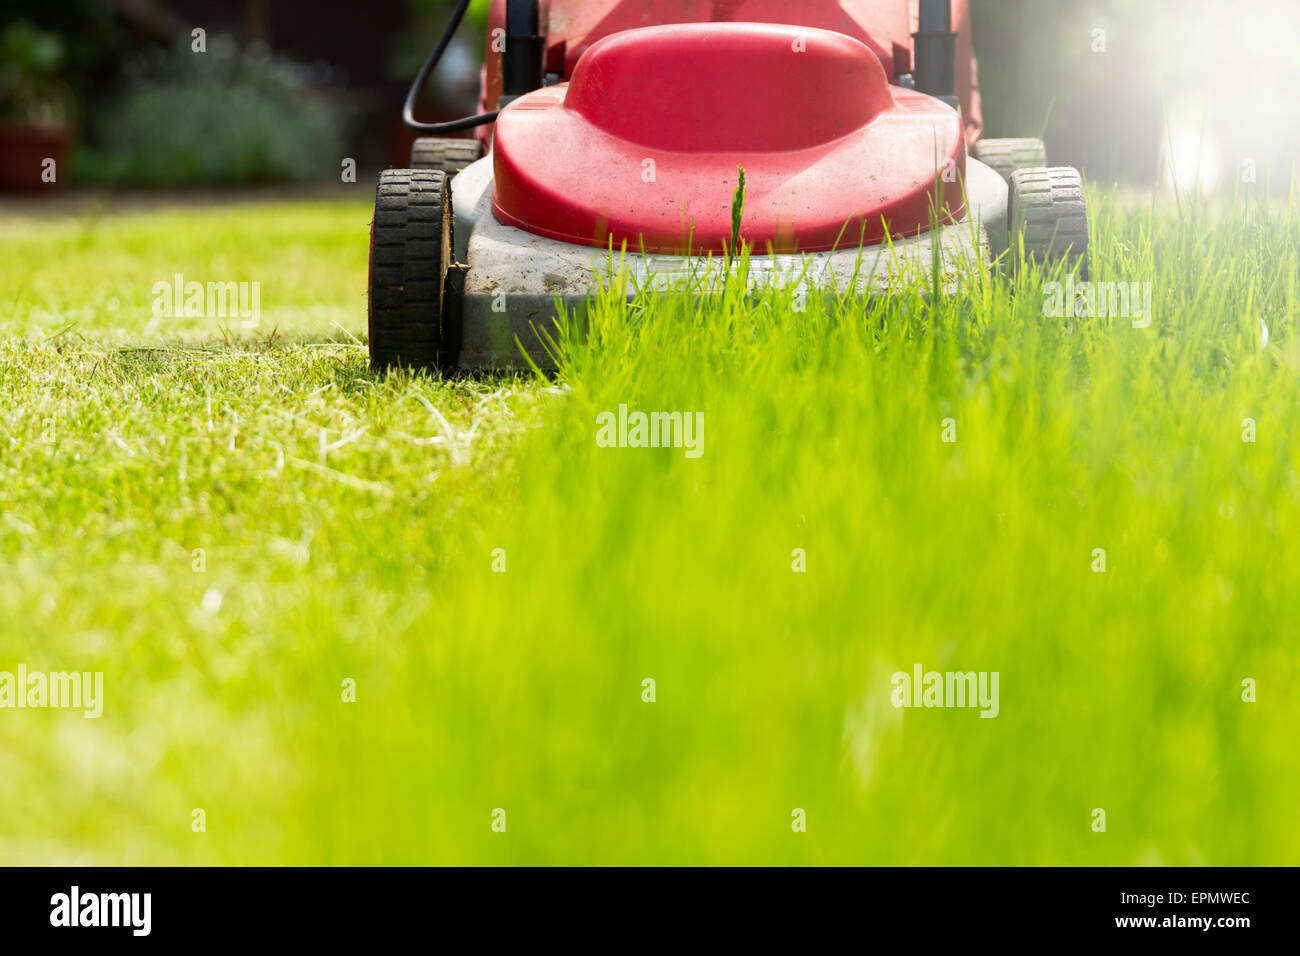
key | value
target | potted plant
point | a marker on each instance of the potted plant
(33, 106)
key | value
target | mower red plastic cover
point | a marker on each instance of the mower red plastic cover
(643, 145)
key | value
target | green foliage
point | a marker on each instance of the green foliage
(224, 117)
(31, 62)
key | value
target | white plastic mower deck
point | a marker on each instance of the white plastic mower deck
(515, 279)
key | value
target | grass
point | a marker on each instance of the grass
(350, 524)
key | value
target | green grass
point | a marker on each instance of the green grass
(350, 534)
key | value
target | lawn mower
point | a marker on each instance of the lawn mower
(838, 139)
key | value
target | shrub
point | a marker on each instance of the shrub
(224, 117)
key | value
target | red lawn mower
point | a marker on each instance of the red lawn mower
(615, 132)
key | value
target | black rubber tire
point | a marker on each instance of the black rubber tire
(410, 254)
(1005, 156)
(447, 155)
(1049, 209)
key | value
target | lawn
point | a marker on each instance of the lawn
(242, 528)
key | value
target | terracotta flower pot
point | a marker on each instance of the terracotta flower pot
(23, 151)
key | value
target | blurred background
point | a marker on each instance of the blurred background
(1132, 91)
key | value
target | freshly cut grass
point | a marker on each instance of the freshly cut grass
(350, 526)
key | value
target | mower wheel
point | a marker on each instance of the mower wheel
(1047, 207)
(448, 155)
(1005, 156)
(410, 255)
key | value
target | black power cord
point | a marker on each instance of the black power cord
(408, 111)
